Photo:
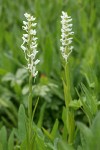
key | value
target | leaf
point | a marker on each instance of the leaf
(2, 71)
(23, 145)
(90, 137)
(91, 102)
(3, 103)
(1, 147)
(96, 131)
(36, 104)
(75, 104)
(79, 148)
(11, 116)
(40, 143)
(64, 119)
(8, 77)
(21, 123)
(55, 129)
(85, 107)
(11, 141)
(39, 124)
(64, 146)
(3, 137)
(47, 134)
(87, 135)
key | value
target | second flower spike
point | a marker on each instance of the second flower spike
(29, 45)
(66, 36)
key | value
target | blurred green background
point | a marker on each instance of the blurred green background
(84, 61)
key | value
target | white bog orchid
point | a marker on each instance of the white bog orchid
(66, 36)
(29, 45)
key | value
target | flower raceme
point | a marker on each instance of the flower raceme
(66, 36)
(29, 45)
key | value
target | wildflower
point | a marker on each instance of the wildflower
(66, 36)
(29, 45)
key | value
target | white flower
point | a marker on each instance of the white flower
(66, 36)
(27, 15)
(33, 32)
(23, 47)
(29, 45)
(34, 24)
(37, 61)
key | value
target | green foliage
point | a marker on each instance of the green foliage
(21, 123)
(3, 137)
(6, 144)
(89, 103)
(11, 141)
(90, 136)
(63, 146)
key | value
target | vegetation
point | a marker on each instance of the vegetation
(65, 97)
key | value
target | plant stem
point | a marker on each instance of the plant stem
(30, 112)
(68, 99)
(30, 97)
(67, 85)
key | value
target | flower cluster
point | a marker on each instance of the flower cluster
(66, 36)
(29, 45)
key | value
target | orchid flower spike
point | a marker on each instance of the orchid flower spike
(66, 36)
(29, 45)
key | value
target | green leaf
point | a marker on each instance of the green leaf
(11, 116)
(11, 141)
(23, 145)
(3, 137)
(79, 148)
(87, 137)
(85, 107)
(64, 146)
(40, 143)
(41, 115)
(64, 119)
(2, 71)
(55, 129)
(36, 104)
(90, 137)
(1, 147)
(90, 100)
(3, 103)
(75, 104)
(8, 77)
(21, 123)
(96, 131)
(47, 134)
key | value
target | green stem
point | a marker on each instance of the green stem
(30, 112)
(67, 85)
(30, 98)
(68, 99)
